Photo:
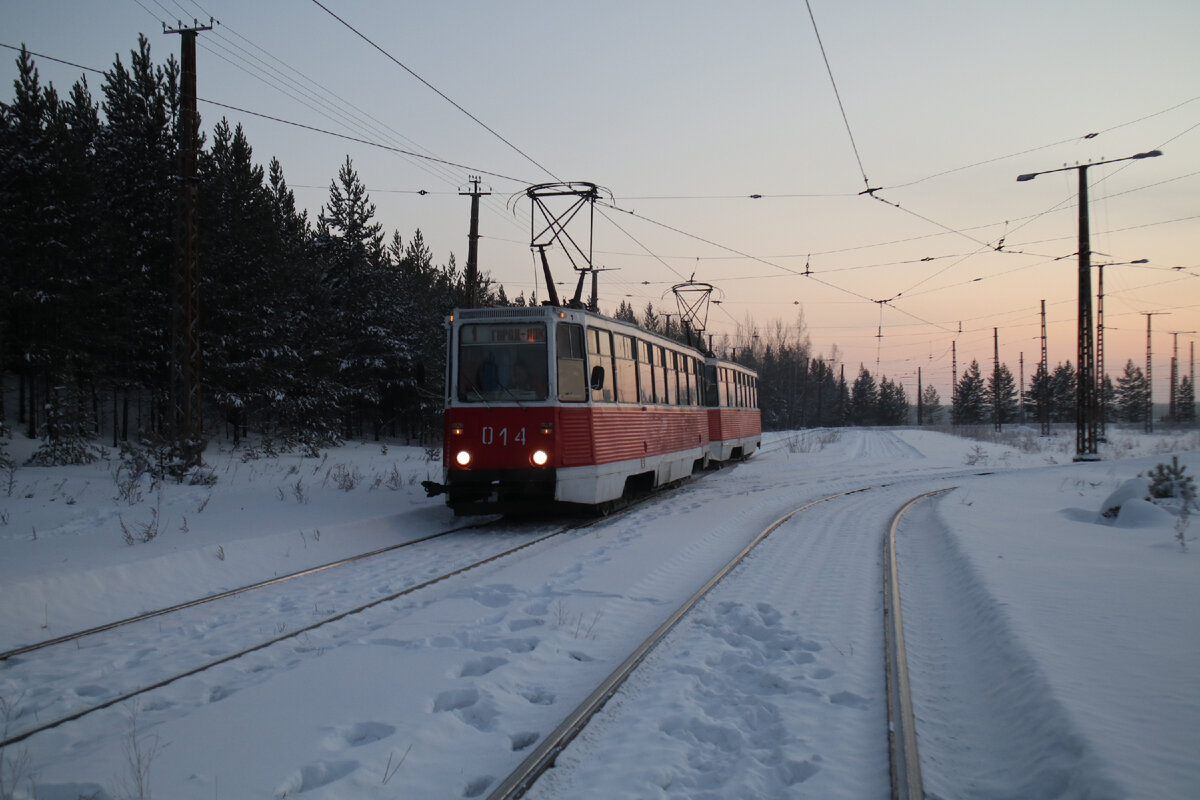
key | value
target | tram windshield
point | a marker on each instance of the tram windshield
(502, 362)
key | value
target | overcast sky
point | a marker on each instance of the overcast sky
(684, 110)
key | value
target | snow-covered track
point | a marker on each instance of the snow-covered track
(543, 756)
(109, 626)
(902, 731)
(125, 696)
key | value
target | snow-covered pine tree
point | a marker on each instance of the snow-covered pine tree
(1131, 393)
(969, 397)
(864, 399)
(1001, 396)
(893, 403)
(931, 405)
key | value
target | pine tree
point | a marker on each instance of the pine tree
(1001, 396)
(1063, 393)
(361, 288)
(27, 221)
(931, 404)
(1038, 398)
(893, 403)
(1131, 394)
(1185, 400)
(137, 164)
(625, 313)
(864, 399)
(969, 398)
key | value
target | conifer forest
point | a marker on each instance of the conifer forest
(312, 331)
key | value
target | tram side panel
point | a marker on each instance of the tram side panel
(651, 444)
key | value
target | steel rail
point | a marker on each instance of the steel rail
(902, 730)
(293, 634)
(543, 756)
(108, 626)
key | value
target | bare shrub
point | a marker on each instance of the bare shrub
(344, 478)
(140, 752)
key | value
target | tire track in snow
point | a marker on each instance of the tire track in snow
(966, 666)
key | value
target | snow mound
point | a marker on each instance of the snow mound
(1138, 513)
(1133, 489)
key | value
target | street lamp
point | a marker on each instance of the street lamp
(1085, 398)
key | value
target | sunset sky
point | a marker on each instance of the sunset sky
(684, 110)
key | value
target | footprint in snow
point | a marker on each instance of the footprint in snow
(478, 786)
(522, 740)
(849, 699)
(314, 776)
(481, 666)
(357, 735)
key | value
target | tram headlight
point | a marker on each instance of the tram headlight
(539, 458)
(463, 458)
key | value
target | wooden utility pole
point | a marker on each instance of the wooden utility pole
(472, 276)
(920, 400)
(188, 418)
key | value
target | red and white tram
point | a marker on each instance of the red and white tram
(549, 405)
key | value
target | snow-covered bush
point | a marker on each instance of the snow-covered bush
(1169, 480)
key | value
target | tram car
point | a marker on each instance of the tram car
(550, 405)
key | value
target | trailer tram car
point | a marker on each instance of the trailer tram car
(549, 405)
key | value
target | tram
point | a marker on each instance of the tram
(550, 405)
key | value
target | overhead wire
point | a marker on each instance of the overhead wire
(837, 95)
(436, 90)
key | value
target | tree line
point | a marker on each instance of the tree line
(312, 330)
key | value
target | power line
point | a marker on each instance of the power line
(438, 91)
(360, 140)
(838, 95)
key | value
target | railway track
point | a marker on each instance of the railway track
(20, 734)
(120, 623)
(16, 733)
(904, 762)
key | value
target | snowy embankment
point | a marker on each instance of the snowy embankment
(773, 687)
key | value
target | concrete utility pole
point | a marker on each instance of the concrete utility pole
(1085, 399)
(188, 419)
(472, 275)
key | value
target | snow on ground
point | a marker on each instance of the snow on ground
(1051, 649)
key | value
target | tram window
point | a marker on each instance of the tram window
(501, 362)
(626, 372)
(711, 387)
(662, 376)
(645, 372)
(685, 380)
(600, 352)
(572, 364)
(673, 377)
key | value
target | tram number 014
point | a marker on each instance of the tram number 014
(490, 435)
